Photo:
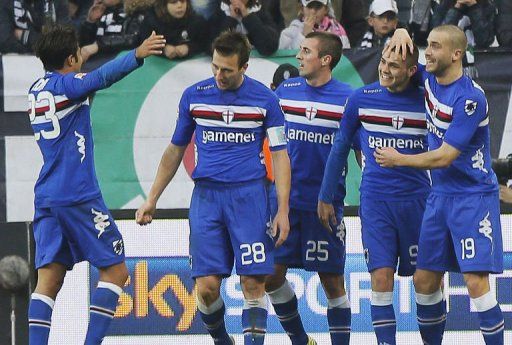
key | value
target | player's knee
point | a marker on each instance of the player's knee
(49, 287)
(382, 283)
(333, 284)
(424, 284)
(208, 294)
(274, 281)
(116, 274)
(477, 284)
(253, 286)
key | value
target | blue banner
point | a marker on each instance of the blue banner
(159, 299)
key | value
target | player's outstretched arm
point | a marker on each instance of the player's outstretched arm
(334, 167)
(399, 43)
(167, 168)
(282, 174)
(442, 157)
(153, 45)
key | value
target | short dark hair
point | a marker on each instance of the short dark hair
(230, 43)
(330, 44)
(55, 44)
(161, 12)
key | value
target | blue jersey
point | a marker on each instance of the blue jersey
(312, 117)
(60, 117)
(229, 127)
(388, 119)
(457, 114)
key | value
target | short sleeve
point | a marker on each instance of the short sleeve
(185, 124)
(468, 114)
(274, 125)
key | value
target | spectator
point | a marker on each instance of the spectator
(109, 28)
(504, 23)
(382, 23)
(21, 23)
(77, 10)
(475, 17)
(506, 194)
(273, 8)
(352, 15)
(182, 28)
(247, 17)
(315, 15)
(205, 8)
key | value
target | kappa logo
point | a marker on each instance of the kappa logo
(486, 227)
(118, 246)
(397, 122)
(100, 221)
(311, 113)
(340, 232)
(228, 116)
(81, 145)
(470, 107)
(478, 160)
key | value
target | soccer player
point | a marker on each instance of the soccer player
(71, 221)
(229, 212)
(313, 105)
(386, 113)
(461, 230)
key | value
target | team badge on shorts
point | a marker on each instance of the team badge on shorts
(118, 246)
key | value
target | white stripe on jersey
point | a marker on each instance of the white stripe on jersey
(60, 114)
(443, 107)
(335, 108)
(315, 121)
(232, 109)
(394, 115)
(448, 110)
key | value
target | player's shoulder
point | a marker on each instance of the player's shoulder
(202, 87)
(255, 86)
(341, 86)
(468, 91)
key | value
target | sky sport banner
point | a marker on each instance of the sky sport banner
(134, 120)
(157, 305)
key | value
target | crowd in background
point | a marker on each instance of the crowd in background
(189, 26)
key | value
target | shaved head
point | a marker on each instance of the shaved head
(455, 35)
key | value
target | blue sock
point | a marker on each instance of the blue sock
(39, 319)
(431, 310)
(492, 324)
(285, 304)
(254, 320)
(101, 312)
(383, 317)
(339, 319)
(213, 319)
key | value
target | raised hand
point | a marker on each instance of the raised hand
(96, 11)
(153, 45)
(399, 43)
